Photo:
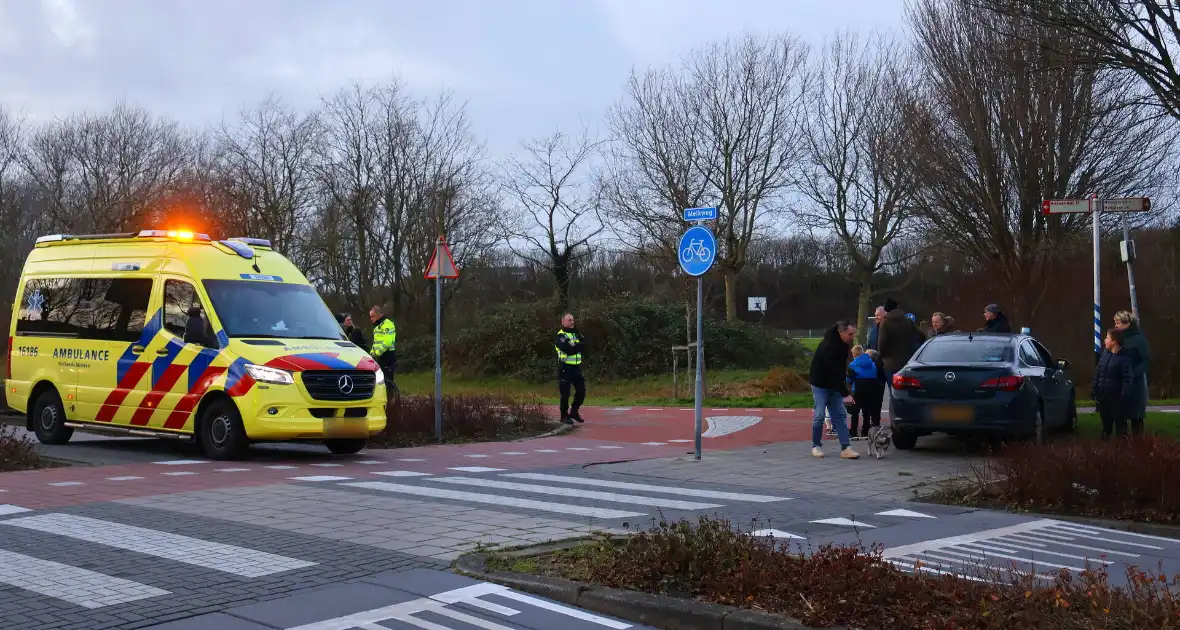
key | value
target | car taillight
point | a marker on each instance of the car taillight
(1003, 383)
(905, 382)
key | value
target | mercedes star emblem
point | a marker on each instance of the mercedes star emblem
(950, 376)
(345, 384)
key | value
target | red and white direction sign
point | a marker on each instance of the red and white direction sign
(1126, 204)
(1065, 206)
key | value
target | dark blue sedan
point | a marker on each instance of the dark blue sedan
(981, 384)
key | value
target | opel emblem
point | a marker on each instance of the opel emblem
(345, 384)
(950, 376)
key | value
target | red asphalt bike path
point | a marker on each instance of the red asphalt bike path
(673, 426)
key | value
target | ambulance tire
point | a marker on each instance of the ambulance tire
(221, 434)
(346, 446)
(49, 419)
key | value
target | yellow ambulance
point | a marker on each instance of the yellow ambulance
(173, 334)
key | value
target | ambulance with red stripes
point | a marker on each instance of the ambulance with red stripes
(174, 334)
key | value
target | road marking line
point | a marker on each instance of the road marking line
(81, 587)
(655, 409)
(230, 469)
(181, 462)
(844, 522)
(474, 469)
(643, 487)
(370, 462)
(547, 450)
(8, 508)
(915, 569)
(179, 473)
(476, 456)
(514, 453)
(1107, 539)
(410, 459)
(401, 473)
(576, 448)
(903, 512)
(232, 559)
(1029, 540)
(124, 478)
(577, 493)
(281, 467)
(776, 533)
(680, 441)
(320, 478)
(1013, 548)
(493, 499)
(983, 555)
(609, 446)
(328, 465)
(655, 443)
(63, 484)
(725, 425)
(1096, 530)
(951, 541)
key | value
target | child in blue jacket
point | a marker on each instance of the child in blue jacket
(868, 390)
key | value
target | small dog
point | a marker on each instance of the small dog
(880, 439)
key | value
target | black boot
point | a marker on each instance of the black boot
(565, 419)
(576, 415)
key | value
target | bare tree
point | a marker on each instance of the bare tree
(1140, 36)
(267, 159)
(108, 172)
(555, 209)
(724, 131)
(856, 173)
(999, 134)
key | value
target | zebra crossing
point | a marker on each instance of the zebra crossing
(1039, 548)
(587, 496)
(91, 588)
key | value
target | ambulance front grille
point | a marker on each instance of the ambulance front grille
(340, 385)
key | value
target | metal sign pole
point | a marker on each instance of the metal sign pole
(698, 414)
(438, 357)
(1095, 212)
(1130, 273)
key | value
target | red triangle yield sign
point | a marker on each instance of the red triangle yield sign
(441, 263)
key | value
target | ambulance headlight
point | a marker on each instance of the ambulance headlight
(264, 374)
(380, 374)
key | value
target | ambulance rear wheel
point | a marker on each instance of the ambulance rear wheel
(346, 447)
(49, 419)
(221, 434)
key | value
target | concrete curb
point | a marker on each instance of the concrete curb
(561, 429)
(658, 611)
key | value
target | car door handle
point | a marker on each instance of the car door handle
(137, 349)
(162, 352)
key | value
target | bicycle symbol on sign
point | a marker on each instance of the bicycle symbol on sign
(695, 247)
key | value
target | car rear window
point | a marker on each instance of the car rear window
(962, 350)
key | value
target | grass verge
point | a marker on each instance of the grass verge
(850, 586)
(466, 418)
(1127, 479)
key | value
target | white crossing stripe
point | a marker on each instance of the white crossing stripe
(329, 465)
(643, 487)
(281, 467)
(475, 469)
(577, 448)
(210, 555)
(411, 459)
(514, 453)
(653, 443)
(320, 478)
(493, 499)
(400, 473)
(181, 462)
(8, 508)
(577, 493)
(547, 450)
(180, 473)
(63, 484)
(370, 462)
(230, 469)
(476, 456)
(82, 587)
(124, 478)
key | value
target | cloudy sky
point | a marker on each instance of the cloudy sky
(525, 67)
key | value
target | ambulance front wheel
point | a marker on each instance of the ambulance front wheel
(49, 419)
(221, 433)
(346, 446)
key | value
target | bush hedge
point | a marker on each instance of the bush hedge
(850, 587)
(17, 452)
(466, 418)
(625, 338)
(1132, 478)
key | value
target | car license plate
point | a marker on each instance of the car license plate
(346, 427)
(952, 413)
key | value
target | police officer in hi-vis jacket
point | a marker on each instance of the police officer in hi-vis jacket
(569, 345)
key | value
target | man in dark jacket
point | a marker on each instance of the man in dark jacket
(1113, 387)
(900, 338)
(942, 324)
(829, 386)
(1139, 352)
(997, 321)
(353, 333)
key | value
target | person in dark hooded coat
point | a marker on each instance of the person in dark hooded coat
(829, 386)
(997, 321)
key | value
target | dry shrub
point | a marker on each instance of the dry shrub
(17, 452)
(466, 418)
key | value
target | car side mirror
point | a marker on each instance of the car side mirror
(1063, 364)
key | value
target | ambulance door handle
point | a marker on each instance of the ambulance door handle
(162, 352)
(137, 349)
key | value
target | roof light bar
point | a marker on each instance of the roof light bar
(257, 242)
(239, 248)
(180, 235)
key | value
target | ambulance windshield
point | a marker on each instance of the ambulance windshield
(263, 309)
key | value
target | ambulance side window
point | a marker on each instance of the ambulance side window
(179, 297)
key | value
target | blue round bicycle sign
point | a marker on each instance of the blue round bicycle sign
(698, 250)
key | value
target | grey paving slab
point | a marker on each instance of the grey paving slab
(214, 621)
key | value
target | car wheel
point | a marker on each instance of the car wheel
(904, 440)
(346, 446)
(1071, 416)
(49, 419)
(221, 433)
